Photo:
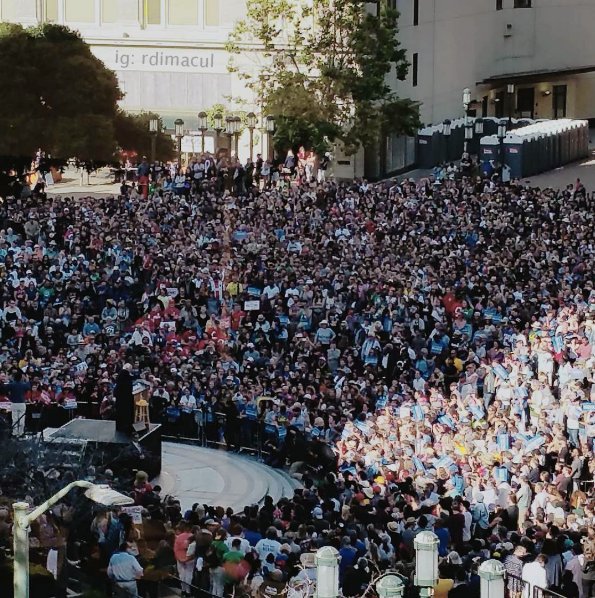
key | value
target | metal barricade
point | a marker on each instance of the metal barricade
(545, 593)
(516, 587)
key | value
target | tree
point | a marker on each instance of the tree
(322, 70)
(132, 134)
(56, 95)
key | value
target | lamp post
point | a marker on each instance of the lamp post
(426, 562)
(101, 494)
(270, 127)
(179, 132)
(327, 572)
(479, 126)
(390, 586)
(153, 129)
(510, 93)
(229, 125)
(237, 125)
(446, 125)
(491, 573)
(218, 122)
(502, 125)
(251, 122)
(203, 125)
(466, 102)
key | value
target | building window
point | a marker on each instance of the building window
(522, 3)
(559, 101)
(415, 13)
(152, 12)
(51, 11)
(414, 67)
(525, 102)
(79, 11)
(182, 12)
(109, 11)
(498, 4)
(211, 13)
(9, 10)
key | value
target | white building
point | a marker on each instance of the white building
(170, 58)
(544, 48)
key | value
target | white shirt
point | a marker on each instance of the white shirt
(535, 575)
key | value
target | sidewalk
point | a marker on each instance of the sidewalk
(99, 183)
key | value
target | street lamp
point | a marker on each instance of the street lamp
(327, 572)
(179, 132)
(237, 127)
(390, 586)
(466, 102)
(479, 126)
(426, 562)
(101, 494)
(251, 122)
(468, 134)
(153, 129)
(446, 126)
(270, 127)
(510, 93)
(203, 125)
(218, 126)
(229, 127)
(491, 573)
(502, 125)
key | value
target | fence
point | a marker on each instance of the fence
(516, 587)
(247, 433)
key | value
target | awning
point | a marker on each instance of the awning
(535, 76)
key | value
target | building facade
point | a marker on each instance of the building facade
(524, 58)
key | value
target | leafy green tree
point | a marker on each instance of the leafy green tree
(323, 70)
(56, 95)
(132, 134)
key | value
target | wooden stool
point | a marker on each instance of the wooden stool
(141, 412)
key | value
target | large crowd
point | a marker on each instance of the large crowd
(431, 341)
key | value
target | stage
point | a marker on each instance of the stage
(195, 474)
(110, 448)
(191, 473)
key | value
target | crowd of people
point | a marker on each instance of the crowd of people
(434, 336)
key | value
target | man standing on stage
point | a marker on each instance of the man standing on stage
(124, 401)
(16, 391)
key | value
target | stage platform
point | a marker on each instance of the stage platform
(111, 448)
(215, 477)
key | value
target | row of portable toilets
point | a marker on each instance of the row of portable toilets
(528, 147)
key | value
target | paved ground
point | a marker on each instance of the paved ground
(560, 177)
(101, 183)
(202, 475)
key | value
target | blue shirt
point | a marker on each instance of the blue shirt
(16, 391)
(124, 567)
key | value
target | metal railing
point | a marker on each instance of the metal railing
(517, 587)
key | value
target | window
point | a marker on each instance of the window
(51, 11)
(522, 3)
(498, 4)
(109, 11)
(415, 13)
(211, 13)
(559, 101)
(79, 11)
(152, 12)
(9, 10)
(414, 67)
(182, 12)
(525, 101)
